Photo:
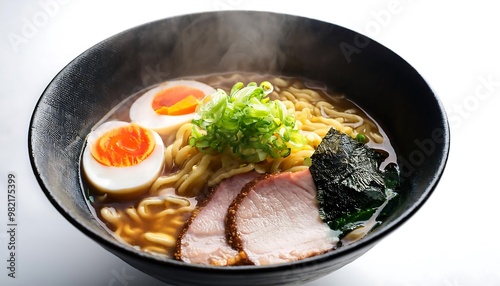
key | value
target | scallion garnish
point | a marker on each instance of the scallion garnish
(247, 123)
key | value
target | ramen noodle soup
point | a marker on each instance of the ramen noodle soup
(147, 191)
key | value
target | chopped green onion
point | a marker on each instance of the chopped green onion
(360, 137)
(247, 123)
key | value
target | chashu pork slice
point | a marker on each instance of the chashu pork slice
(203, 239)
(275, 219)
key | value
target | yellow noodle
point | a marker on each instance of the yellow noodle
(176, 177)
(275, 166)
(296, 159)
(181, 138)
(132, 213)
(279, 82)
(197, 177)
(177, 221)
(168, 206)
(160, 238)
(185, 153)
(169, 159)
(111, 215)
(229, 173)
(177, 201)
(119, 231)
(155, 249)
(286, 95)
(131, 231)
(376, 137)
(178, 211)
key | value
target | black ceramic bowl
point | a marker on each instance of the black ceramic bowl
(374, 77)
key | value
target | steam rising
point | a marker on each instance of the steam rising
(229, 42)
(224, 42)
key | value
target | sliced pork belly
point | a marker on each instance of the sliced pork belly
(276, 219)
(203, 240)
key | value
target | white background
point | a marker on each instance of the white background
(453, 240)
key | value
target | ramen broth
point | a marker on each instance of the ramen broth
(152, 221)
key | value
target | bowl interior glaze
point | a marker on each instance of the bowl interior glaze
(371, 75)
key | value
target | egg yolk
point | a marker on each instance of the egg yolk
(124, 146)
(177, 100)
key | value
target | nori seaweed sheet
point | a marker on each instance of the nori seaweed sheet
(349, 182)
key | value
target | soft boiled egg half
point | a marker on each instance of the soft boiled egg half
(122, 158)
(169, 105)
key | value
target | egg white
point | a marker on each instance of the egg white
(122, 181)
(143, 114)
